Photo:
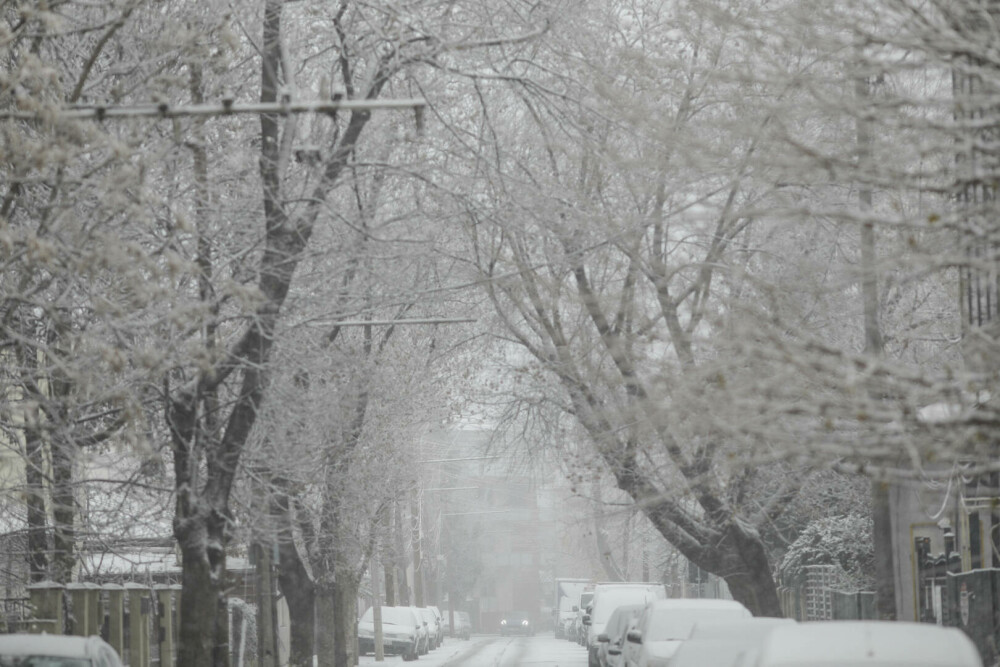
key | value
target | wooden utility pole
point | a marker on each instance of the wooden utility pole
(377, 609)
(885, 570)
(266, 647)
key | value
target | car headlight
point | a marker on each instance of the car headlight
(524, 623)
(503, 622)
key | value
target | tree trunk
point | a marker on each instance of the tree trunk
(266, 641)
(203, 631)
(750, 581)
(399, 555)
(34, 475)
(326, 623)
(63, 511)
(300, 595)
(885, 571)
(34, 472)
(345, 595)
(388, 572)
(418, 568)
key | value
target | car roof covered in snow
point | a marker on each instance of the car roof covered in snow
(867, 643)
(62, 646)
(741, 630)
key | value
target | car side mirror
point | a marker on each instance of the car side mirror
(602, 637)
(614, 650)
(634, 636)
(586, 619)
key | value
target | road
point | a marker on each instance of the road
(542, 650)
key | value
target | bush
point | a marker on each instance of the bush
(845, 541)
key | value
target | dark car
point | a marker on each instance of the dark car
(516, 623)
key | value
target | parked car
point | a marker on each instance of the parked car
(664, 624)
(607, 598)
(463, 625)
(579, 629)
(402, 632)
(432, 627)
(516, 623)
(425, 629)
(26, 650)
(867, 644)
(440, 623)
(726, 644)
(610, 642)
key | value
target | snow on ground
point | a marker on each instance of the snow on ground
(493, 651)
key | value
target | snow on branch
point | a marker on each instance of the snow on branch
(223, 108)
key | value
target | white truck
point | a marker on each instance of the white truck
(566, 603)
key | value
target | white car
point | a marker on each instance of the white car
(426, 617)
(402, 632)
(56, 651)
(607, 598)
(728, 644)
(440, 624)
(463, 625)
(610, 642)
(664, 624)
(867, 644)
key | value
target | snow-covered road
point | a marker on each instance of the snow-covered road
(493, 651)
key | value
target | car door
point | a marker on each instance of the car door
(631, 650)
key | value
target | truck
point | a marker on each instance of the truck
(566, 603)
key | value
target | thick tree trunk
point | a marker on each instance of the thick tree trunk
(750, 581)
(885, 571)
(63, 512)
(300, 595)
(345, 595)
(203, 631)
(326, 622)
(732, 551)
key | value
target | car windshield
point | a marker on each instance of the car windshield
(42, 661)
(610, 600)
(516, 616)
(621, 619)
(397, 616)
(391, 616)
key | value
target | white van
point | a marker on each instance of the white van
(607, 598)
(665, 624)
(867, 644)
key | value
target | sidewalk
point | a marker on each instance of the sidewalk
(449, 650)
